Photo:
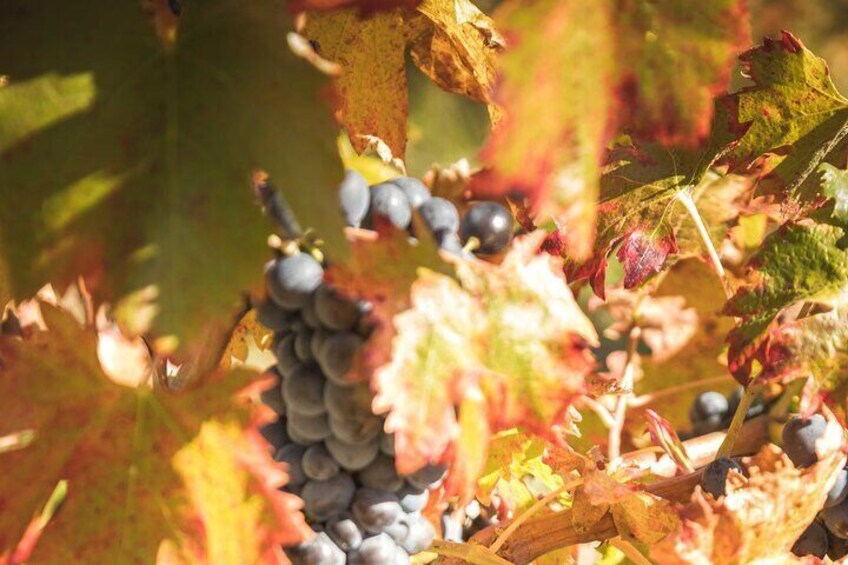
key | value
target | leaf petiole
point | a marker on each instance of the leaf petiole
(685, 198)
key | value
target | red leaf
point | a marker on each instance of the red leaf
(643, 255)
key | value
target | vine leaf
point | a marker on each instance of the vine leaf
(140, 463)
(639, 213)
(129, 160)
(793, 109)
(835, 185)
(760, 519)
(451, 41)
(798, 262)
(599, 77)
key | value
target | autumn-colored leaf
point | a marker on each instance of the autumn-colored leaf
(451, 41)
(835, 185)
(664, 435)
(144, 466)
(511, 333)
(793, 109)
(247, 332)
(759, 519)
(798, 262)
(600, 75)
(365, 7)
(641, 212)
(128, 158)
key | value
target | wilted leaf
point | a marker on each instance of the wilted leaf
(511, 333)
(144, 466)
(760, 520)
(451, 41)
(132, 164)
(798, 262)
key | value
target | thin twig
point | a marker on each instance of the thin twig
(599, 409)
(615, 431)
(524, 516)
(630, 551)
(650, 397)
(685, 198)
(751, 391)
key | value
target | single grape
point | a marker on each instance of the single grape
(439, 215)
(387, 443)
(813, 541)
(375, 509)
(427, 476)
(381, 474)
(837, 548)
(490, 223)
(302, 342)
(415, 191)
(318, 551)
(275, 434)
(388, 201)
(334, 310)
(290, 280)
(354, 198)
(839, 491)
(296, 437)
(337, 356)
(836, 519)
(345, 532)
(273, 317)
(799, 439)
(343, 402)
(352, 457)
(413, 499)
(272, 397)
(318, 464)
(708, 405)
(714, 477)
(292, 456)
(323, 500)
(287, 361)
(452, 528)
(308, 314)
(319, 336)
(357, 428)
(375, 550)
(311, 428)
(303, 391)
(421, 534)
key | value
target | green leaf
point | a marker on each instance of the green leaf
(147, 469)
(798, 262)
(835, 185)
(127, 156)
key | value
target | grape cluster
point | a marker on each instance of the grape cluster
(394, 201)
(712, 411)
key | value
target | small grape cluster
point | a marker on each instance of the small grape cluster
(489, 223)
(712, 411)
(340, 460)
(828, 534)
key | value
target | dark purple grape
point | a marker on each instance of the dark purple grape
(799, 439)
(714, 477)
(344, 401)
(303, 391)
(490, 223)
(272, 396)
(345, 532)
(413, 499)
(318, 464)
(708, 405)
(837, 548)
(421, 534)
(387, 444)
(337, 356)
(357, 428)
(381, 474)
(308, 314)
(319, 336)
(273, 317)
(375, 550)
(813, 541)
(415, 191)
(439, 215)
(318, 551)
(302, 349)
(427, 476)
(334, 310)
(375, 509)
(323, 500)
(291, 280)
(839, 491)
(836, 519)
(354, 198)
(311, 428)
(292, 456)
(287, 361)
(389, 202)
(275, 434)
(297, 438)
(352, 457)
